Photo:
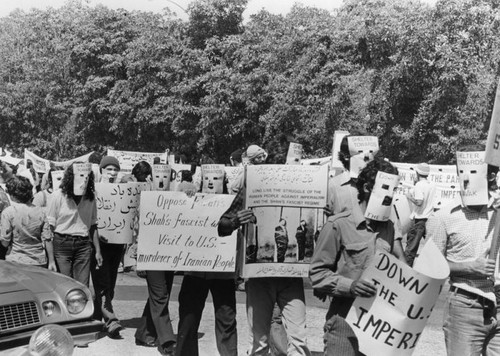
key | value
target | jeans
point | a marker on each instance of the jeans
(288, 293)
(104, 281)
(192, 297)
(470, 326)
(155, 324)
(416, 233)
(73, 255)
(339, 338)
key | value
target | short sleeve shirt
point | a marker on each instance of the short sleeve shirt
(25, 227)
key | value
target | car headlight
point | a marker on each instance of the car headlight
(76, 300)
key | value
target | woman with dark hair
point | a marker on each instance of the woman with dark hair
(24, 226)
(42, 198)
(72, 215)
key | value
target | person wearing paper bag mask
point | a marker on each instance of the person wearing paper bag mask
(43, 197)
(346, 244)
(463, 232)
(72, 216)
(104, 275)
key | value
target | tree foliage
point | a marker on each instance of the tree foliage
(84, 78)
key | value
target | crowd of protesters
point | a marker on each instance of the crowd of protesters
(50, 221)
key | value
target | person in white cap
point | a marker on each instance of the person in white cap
(254, 155)
(422, 197)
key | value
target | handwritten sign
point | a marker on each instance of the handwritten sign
(179, 233)
(128, 159)
(287, 201)
(212, 178)
(493, 141)
(391, 322)
(116, 207)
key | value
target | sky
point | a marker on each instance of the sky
(177, 6)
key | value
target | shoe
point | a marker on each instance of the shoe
(114, 331)
(167, 349)
(146, 344)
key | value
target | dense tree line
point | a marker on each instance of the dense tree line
(78, 78)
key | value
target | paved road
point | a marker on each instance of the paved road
(131, 295)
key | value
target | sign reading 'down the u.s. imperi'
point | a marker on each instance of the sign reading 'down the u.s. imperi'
(116, 208)
(391, 322)
(179, 233)
(288, 202)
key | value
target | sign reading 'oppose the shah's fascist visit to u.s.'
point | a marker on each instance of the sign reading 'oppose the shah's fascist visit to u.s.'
(179, 233)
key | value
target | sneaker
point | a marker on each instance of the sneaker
(114, 331)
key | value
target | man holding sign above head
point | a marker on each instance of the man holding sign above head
(463, 231)
(346, 245)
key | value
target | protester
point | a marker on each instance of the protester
(25, 228)
(43, 197)
(255, 155)
(343, 191)
(338, 262)
(186, 185)
(5, 175)
(192, 298)
(155, 326)
(104, 275)
(235, 158)
(463, 232)
(264, 293)
(422, 197)
(72, 215)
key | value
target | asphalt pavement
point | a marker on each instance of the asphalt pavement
(131, 295)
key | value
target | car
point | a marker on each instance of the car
(31, 297)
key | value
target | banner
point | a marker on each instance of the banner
(288, 202)
(179, 233)
(391, 322)
(42, 165)
(128, 159)
(116, 208)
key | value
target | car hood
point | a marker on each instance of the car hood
(15, 277)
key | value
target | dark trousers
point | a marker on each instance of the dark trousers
(104, 281)
(192, 297)
(416, 233)
(73, 255)
(155, 324)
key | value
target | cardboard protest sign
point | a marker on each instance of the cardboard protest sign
(493, 142)
(128, 159)
(56, 177)
(116, 208)
(212, 178)
(294, 155)
(179, 233)
(391, 322)
(162, 174)
(287, 201)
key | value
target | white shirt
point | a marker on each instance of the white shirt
(426, 191)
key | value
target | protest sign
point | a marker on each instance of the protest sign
(232, 174)
(391, 322)
(128, 159)
(116, 208)
(294, 155)
(493, 141)
(179, 233)
(287, 201)
(162, 174)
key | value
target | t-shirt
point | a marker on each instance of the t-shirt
(426, 191)
(25, 227)
(68, 218)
